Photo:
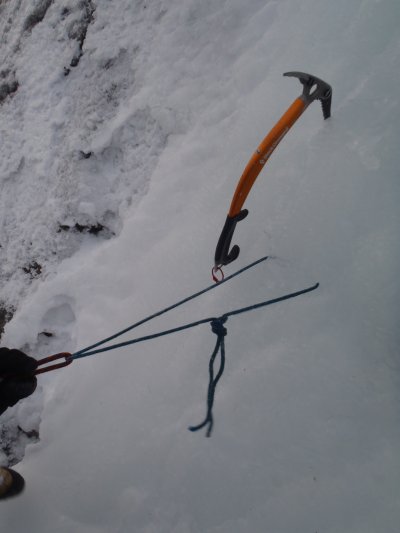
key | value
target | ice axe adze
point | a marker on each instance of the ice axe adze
(313, 89)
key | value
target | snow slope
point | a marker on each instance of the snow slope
(170, 99)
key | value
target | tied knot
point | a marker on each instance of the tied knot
(217, 326)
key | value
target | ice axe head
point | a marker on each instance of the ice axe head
(314, 89)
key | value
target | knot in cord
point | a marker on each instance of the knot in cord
(217, 326)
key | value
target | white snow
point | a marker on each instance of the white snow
(170, 99)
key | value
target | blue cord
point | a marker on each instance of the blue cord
(217, 326)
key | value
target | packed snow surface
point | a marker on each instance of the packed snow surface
(124, 127)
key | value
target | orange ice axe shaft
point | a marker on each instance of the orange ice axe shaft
(313, 89)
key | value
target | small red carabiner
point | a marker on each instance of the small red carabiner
(215, 270)
(63, 355)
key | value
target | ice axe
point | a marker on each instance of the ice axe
(313, 89)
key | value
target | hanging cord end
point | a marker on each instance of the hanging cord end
(217, 326)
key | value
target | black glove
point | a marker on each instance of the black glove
(16, 377)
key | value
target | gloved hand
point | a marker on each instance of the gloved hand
(16, 377)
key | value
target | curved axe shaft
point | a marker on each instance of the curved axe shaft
(313, 89)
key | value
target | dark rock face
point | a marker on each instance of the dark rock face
(5, 316)
(8, 84)
(37, 15)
